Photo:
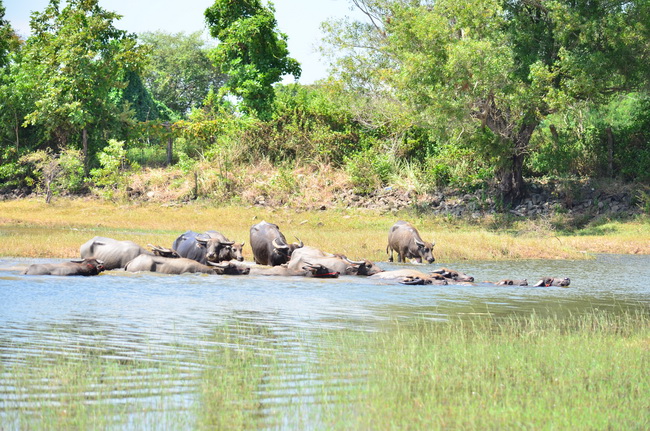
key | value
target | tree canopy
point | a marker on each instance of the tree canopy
(251, 51)
(489, 71)
(75, 63)
(179, 72)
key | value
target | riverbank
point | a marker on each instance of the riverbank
(31, 228)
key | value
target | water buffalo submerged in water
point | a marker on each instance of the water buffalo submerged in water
(335, 262)
(509, 282)
(411, 276)
(551, 281)
(114, 253)
(309, 270)
(453, 275)
(270, 246)
(211, 246)
(181, 265)
(406, 241)
(75, 267)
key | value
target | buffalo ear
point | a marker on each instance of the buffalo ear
(351, 270)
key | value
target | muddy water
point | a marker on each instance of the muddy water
(149, 317)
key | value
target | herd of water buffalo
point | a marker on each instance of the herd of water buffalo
(212, 253)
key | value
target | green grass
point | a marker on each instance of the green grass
(585, 372)
(579, 372)
(31, 228)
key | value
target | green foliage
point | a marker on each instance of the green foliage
(74, 64)
(252, 52)
(53, 173)
(502, 66)
(179, 72)
(111, 174)
(368, 170)
(611, 140)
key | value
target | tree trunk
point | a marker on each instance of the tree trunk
(169, 151)
(511, 176)
(84, 140)
(610, 152)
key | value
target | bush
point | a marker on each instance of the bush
(111, 176)
(368, 170)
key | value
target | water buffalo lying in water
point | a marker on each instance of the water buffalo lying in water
(335, 262)
(269, 245)
(411, 276)
(114, 253)
(181, 265)
(309, 270)
(406, 241)
(84, 267)
(509, 282)
(210, 246)
(453, 275)
(551, 281)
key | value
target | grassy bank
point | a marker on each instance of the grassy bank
(534, 372)
(31, 228)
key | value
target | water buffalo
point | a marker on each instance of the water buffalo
(270, 246)
(309, 270)
(84, 267)
(551, 281)
(453, 275)
(406, 241)
(114, 253)
(180, 265)
(211, 246)
(234, 251)
(509, 282)
(411, 276)
(335, 262)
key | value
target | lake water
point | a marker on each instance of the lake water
(142, 316)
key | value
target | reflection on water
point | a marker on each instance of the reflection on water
(157, 326)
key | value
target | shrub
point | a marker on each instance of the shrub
(368, 170)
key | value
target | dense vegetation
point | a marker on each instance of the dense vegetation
(481, 93)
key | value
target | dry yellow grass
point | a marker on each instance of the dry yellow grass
(31, 228)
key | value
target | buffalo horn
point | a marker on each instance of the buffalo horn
(419, 243)
(226, 242)
(300, 244)
(279, 246)
(220, 265)
(353, 262)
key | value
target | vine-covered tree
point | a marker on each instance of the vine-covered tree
(489, 71)
(180, 73)
(251, 51)
(75, 62)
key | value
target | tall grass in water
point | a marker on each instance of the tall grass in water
(536, 372)
(584, 372)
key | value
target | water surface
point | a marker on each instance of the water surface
(159, 319)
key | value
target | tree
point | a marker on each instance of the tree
(490, 71)
(180, 73)
(76, 60)
(252, 52)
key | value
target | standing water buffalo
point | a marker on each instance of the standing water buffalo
(406, 241)
(335, 262)
(114, 253)
(270, 246)
(85, 267)
(211, 246)
(181, 265)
